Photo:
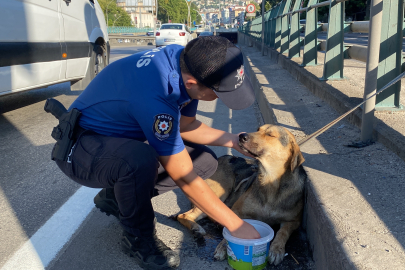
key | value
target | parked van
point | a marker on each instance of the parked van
(49, 42)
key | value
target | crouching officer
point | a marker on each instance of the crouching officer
(138, 137)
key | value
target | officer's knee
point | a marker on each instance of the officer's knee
(206, 164)
(141, 158)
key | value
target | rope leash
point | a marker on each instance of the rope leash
(326, 127)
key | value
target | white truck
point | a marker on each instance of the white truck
(45, 42)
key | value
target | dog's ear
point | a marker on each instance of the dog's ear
(297, 158)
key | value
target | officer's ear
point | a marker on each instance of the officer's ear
(189, 81)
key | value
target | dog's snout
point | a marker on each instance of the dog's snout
(243, 137)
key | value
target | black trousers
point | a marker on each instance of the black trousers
(132, 168)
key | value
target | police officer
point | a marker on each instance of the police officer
(139, 137)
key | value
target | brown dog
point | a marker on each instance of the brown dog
(269, 189)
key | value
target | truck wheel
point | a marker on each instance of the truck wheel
(98, 61)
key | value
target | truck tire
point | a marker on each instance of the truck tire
(98, 61)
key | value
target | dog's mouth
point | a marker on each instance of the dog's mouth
(247, 150)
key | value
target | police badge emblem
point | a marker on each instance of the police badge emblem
(163, 126)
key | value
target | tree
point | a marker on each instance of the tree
(116, 15)
(177, 11)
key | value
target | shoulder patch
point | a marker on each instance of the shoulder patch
(162, 126)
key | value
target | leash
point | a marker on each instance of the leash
(325, 128)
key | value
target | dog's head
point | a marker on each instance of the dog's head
(272, 144)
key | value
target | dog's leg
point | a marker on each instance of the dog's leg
(189, 220)
(220, 251)
(277, 247)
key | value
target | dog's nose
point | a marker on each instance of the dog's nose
(243, 137)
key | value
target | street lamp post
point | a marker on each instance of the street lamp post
(154, 30)
(106, 10)
(166, 13)
(116, 19)
(188, 16)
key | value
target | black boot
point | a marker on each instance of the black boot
(149, 251)
(106, 202)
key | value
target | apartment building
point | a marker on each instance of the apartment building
(142, 14)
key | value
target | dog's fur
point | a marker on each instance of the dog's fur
(275, 195)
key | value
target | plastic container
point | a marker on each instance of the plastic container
(249, 254)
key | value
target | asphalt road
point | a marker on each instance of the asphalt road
(48, 221)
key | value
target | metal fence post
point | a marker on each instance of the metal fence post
(310, 57)
(333, 67)
(274, 14)
(390, 54)
(267, 30)
(295, 40)
(263, 26)
(285, 28)
(277, 39)
(370, 86)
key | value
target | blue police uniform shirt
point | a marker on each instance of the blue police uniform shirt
(140, 97)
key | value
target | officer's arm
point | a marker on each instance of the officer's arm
(180, 169)
(194, 131)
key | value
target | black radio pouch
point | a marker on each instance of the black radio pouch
(64, 132)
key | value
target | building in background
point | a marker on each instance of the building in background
(225, 15)
(142, 12)
(241, 17)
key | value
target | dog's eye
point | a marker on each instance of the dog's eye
(269, 134)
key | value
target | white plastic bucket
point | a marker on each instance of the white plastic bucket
(249, 254)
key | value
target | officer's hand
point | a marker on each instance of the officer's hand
(236, 146)
(246, 231)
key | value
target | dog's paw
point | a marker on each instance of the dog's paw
(220, 251)
(276, 254)
(174, 217)
(198, 231)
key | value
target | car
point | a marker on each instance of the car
(206, 34)
(173, 33)
(151, 33)
(48, 42)
(199, 28)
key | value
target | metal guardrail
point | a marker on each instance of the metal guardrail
(282, 32)
(127, 30)
(124, 40)
(130, 29)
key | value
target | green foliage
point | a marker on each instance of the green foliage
(116, 15)
(177, 11)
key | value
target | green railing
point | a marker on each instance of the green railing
(282, 32)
